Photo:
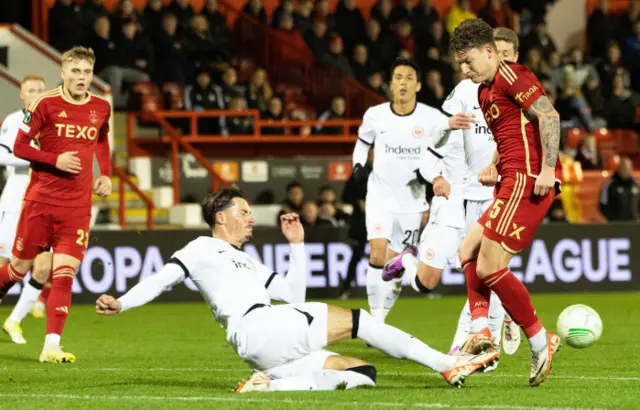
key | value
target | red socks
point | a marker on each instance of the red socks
(8, 277)
(477, 292)
(515, 299)
(59, 301)
(44, 295)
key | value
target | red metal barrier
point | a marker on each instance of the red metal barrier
(125, 179)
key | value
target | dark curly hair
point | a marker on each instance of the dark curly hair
(470, 34)
(218, 201)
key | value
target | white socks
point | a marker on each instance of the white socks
(496, 318)
(322, 380)
(464, 325)
(539, 340)
(410, 264)
(29, 295)
(399, 344)
(52, 340)
(380, 294)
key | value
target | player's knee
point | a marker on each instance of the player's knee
(41, 273)
(21, 265)
(427, 278)
(377, 260)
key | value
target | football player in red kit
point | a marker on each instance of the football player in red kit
(69, 125)
(526, 129)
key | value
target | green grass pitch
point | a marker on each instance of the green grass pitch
(175, 356)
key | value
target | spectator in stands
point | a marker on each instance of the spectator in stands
(361, 65)
(285, 7)
(259, 90)
(459, 13)
(349, 23)
(377, 84)
(327, 193)
(404, 37)
(125, 12)
(556, 213)
(588, 154)
(102, 44)
(496, 13)
(438, 38)
(287, 23)
(132, 59)
(380, 45)
(424, 15)
(600, 29)
(403, 11)
(536, 63)
(381, 13)
(335, 112)
(172, 63)
(274, 112)
(255, 9)
(230, 88)
(302, 15)
(239, 125)
(355, 193)
(539, 38)
(316, 38)
(592, 92)
(622, 105)
(295, 197)
(632, 54)
(322, 10)
(217, 25)
(91, 10)
(572, 106)
(582, 69)
(328, 215)
(610, 67)
(201, 96)
(619, 199)
(556, 69)
(65, 25)
(309, 215)
(335, 57)
(627, 19)
(203, 50)
(433, 92)
(153, 17)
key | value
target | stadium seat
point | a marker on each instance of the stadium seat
(574, 138)
(605, 138)
(611, 161)
(174, 93)
(627, 142)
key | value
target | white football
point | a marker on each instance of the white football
(579, 326)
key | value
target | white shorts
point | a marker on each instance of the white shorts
(474, 210)
(8, 228)
(439, 245)
(283, 340)
(399, 229)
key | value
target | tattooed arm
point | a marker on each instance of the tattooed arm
(549, 120)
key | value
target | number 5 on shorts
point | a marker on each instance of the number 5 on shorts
(83, 238)
(495, 209)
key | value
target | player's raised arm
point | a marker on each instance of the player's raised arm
(366, 137)
(293, 287)
(144, 292)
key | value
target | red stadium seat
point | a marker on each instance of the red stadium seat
(628, 142)
(174, 92)
(574, 138)
(611, 161)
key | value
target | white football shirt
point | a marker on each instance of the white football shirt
(479, 145)
(450, 211)
(17, 169)
(400, 146)
(229, 280)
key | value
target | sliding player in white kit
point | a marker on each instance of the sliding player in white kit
(10, 204)
(401, 132)
(284, 344)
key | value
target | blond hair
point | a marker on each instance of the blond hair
(32, 77)
(78, 53)
(507, 35)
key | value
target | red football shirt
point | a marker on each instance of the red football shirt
(504, 104)
(60, 124)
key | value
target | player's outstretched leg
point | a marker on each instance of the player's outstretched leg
(58, 305)
(381, 295)
(492, 271)
(320, 380)
(30, 292)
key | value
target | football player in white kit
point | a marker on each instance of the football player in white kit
(10, 204)
(459, 199)
(401, 132)
(284, 344)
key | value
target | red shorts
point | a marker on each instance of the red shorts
(516, 212)
(42, 226)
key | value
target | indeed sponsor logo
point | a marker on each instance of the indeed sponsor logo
(400, 150)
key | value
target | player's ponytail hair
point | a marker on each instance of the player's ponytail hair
(218, 201)
(78, 53)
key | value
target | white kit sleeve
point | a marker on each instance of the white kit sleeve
(152, 287)
(293, 287)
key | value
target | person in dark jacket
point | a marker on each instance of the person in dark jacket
(619, 195)
(65, 25)
(355, 194)
(588, 155)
